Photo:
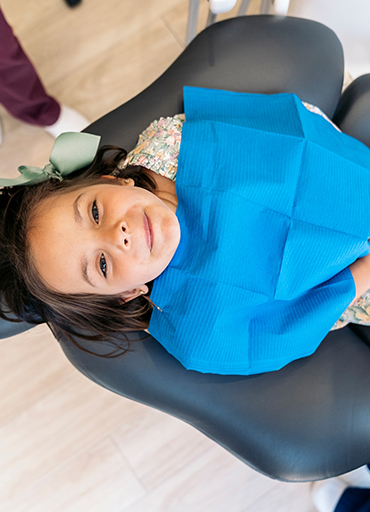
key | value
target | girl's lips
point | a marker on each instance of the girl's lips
(148, 232)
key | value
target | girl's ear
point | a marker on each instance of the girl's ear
(136, 292)
(122, 181)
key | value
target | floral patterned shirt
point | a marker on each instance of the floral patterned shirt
(158, 149)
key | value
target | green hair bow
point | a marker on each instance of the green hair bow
(71, 151)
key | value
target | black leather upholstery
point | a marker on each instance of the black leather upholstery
(353, 111)
(311, 419)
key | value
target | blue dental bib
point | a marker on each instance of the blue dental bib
(274, 205)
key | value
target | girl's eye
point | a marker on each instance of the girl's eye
(95, 212)
(103, 265)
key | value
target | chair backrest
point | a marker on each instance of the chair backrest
(310, 419)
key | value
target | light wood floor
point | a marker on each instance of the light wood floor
(65, 443)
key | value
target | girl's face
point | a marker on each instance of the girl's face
(103, 239)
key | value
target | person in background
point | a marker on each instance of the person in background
(24, 96)
(348, 493)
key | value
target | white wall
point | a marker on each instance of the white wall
(350, 20)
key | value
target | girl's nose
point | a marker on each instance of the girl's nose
(119, 236)
(126, 237)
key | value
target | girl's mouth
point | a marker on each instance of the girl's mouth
(148, 232)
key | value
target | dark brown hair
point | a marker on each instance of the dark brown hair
(24, 292)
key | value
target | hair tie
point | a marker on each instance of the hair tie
(71, 151)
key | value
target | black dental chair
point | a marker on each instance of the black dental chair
(310, 420)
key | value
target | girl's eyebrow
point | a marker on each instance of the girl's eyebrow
(78, 216)
(85, 274)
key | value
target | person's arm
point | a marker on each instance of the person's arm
(360, 270)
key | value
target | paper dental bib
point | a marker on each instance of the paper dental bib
(274, 204)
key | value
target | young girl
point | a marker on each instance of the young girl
(241, 268)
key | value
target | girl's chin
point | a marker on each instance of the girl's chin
(169, 236)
